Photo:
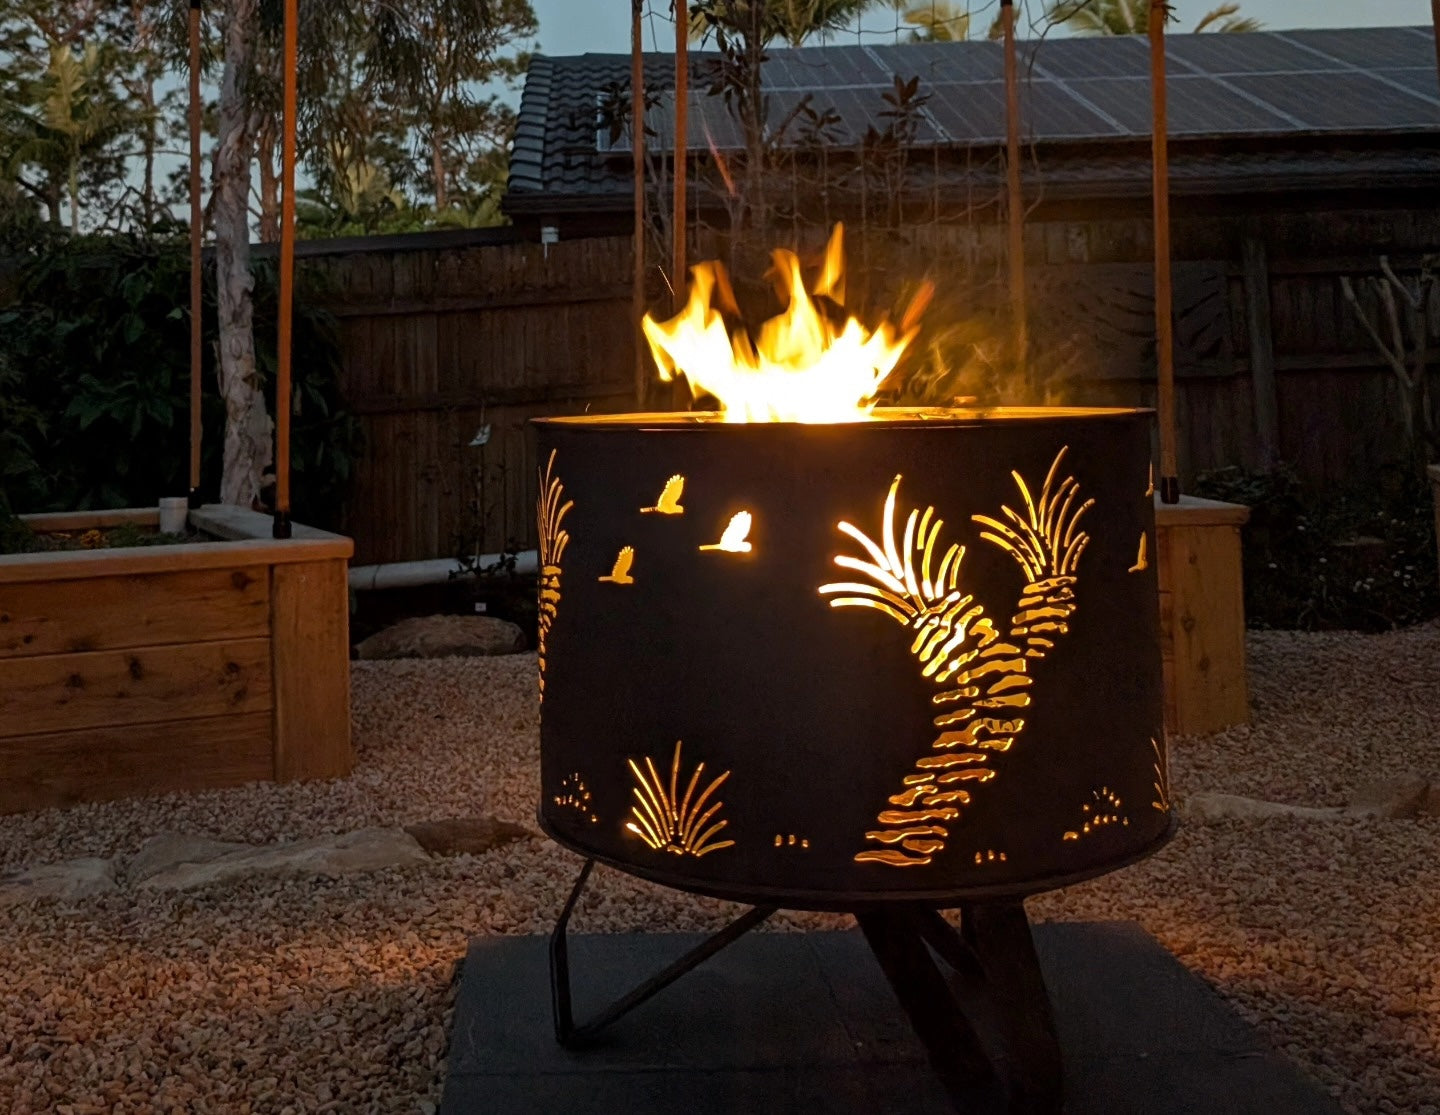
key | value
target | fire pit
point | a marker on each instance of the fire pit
(887, 663)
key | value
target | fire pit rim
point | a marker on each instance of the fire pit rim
(880, 417)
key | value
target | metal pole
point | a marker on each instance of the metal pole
(682, 112)
(197, 232)
(287, 276)
(1015, 199)
(637, 148)
(1435, 20)
(1164, 332)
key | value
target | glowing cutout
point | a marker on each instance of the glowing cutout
(550, 514)
(1142, 563)
(792, 841)
(620, 573)
(956, 644)
(669, 501)
(1101, 812)
(1150, 485)
(735, 538)
(574, 795)
(667, 822)
(989, 856)
(1162, 778)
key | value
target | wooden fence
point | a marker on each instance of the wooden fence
(452, 343)
(448, 352)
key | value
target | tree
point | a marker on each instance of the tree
(742, 30)
(64, 114)
(430, 60)
(248, 447)
(941, 22)
(1131, 17)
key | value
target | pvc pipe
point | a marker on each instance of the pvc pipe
(407, 574)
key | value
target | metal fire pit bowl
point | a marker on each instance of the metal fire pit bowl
(884, 667)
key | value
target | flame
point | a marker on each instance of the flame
(802, 366)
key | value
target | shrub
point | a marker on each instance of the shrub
(94, 381)
(1362, 558)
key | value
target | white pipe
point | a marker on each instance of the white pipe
(406, 574)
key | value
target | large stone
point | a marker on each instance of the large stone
(1205, 807)
(170, 850)
(444, 637)
(73, 879)
(466, 836)
(370, 849)
(1390, 798)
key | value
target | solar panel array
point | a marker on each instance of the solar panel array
(1079, 89)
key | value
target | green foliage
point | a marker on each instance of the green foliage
(94, 382)
(1131, 17)
(1362, 559)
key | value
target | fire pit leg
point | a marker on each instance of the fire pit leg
(567, 1033)
(988, 1026)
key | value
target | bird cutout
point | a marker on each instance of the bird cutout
(669, 501)
(735, 537)
(620, 574)
(1142, 562)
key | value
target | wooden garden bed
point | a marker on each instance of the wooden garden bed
(184, 667)
(1202, 614)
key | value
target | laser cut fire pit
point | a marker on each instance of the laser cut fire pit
(884, 666)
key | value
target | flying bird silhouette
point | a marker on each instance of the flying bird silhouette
(735, 538)
(1141, 561)
(669, 501)
(620, 574)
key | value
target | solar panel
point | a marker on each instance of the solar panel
(1223, 54)
(1260, 83)
(1372, 48)
(1337, 101)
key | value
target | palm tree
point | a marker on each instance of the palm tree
(793, 21)
(1131, 17)
(938, 22)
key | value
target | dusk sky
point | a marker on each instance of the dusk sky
(581, 26)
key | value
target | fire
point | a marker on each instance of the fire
(802, 366)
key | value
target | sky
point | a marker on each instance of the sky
(603, 26)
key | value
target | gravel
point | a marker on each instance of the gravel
(314, 995)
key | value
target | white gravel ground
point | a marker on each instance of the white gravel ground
(308, 996)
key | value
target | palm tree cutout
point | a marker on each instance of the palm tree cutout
(554, 538)
(983, 667)
(620, 574)
(669, 501)
(735, 538)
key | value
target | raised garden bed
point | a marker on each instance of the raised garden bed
(175, 667)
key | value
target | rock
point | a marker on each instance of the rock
(170, 850)
(1390, 798)
(1232, 807)
(444, 637)
(371, 849)
(466, 836)
(1430, 807)
(67, 881)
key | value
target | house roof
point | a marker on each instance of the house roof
(1361, 102)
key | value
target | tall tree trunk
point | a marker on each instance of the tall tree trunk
(74, 188)
(437, 168)
(152, 125)
(247, 428)
(269, 182)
